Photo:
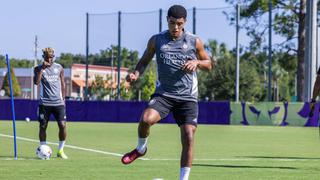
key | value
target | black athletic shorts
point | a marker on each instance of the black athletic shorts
(184, 112)
(44, 113)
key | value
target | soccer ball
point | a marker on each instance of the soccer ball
(44, 152)
(27, 119)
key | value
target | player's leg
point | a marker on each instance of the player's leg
(43, 118)
(187, 141)
(62, 130)
(60, 116)
(157, 109)
(186, 113)
(148, 118)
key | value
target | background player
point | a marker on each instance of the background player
(50, 76)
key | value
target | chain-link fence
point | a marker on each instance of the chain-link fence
(117, 37)
(136, 28)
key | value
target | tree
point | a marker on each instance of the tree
(105, 57)
(2, 61)
(18, 63)
(99, 90)
(286, 65)
(15, 84)
(67, 59)
(217, 51)
(289, 23)
(146, 83)
(125, 92)
(223, 81)
(219, 84)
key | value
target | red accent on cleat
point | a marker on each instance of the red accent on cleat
(131, 156)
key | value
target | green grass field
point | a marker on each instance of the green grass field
(221, 152)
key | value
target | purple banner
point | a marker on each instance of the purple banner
(113, 111)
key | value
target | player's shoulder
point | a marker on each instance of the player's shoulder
(154, 38)
(191, 35)
(161, 34)
(57, 65)
(158, 37)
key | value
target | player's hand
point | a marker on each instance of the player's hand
(45, 64)
(132, 77)
(190, 66)
(312, 106)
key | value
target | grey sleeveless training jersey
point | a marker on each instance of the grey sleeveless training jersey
(171, 55)
(50, 86)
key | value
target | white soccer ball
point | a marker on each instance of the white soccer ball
(44, 152)
(27, 119)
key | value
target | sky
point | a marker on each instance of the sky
(62, 24)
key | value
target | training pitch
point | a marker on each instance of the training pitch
(221, 152)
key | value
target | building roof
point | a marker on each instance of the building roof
(97, 67)
(27, 72)
(79, 82)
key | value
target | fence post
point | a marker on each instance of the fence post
(87, 56)
(160, 20)
(238, 54)
(194, 21)
(270, 53)
(119, 54)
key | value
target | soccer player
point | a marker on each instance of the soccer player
(178, 55)
(50, 76)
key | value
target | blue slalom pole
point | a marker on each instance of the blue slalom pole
(12, 108)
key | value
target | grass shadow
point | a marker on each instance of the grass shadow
(19, 158)
(244, 166)
(280, 157)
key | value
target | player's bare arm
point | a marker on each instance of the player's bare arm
(63, 85)
(143, 62)
(316, 88)
(203, 62)
(38, 72)
(37, 75)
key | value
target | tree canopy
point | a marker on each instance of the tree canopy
(15, 84)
